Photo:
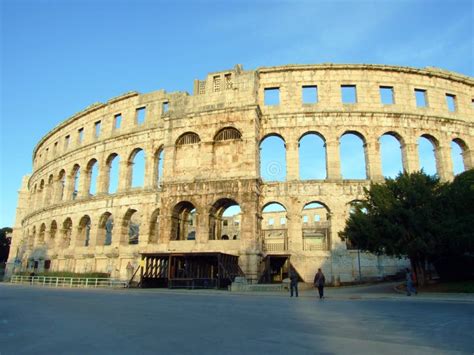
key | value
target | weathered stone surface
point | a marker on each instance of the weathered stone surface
(204, 166)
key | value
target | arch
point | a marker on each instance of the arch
(53, 229)
(136, 165)
(92, 171)
(84, 231)
(227, 133)
(66, 232)
(76, 172)
(427, 153)
(316, 226)
(31, 241)
(158, 165)
(353, 154)
(274, 227)
(105, 229)
(273, 158)
(41, 192)
(154, 226)
(188, 138)
(184, 221)
(225, 218)
(42, 232)
(61, 184)
(112, 175)
(312, 156)
(131, 226)
(391, 154)
(459, 155)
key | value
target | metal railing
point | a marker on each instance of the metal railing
(70, 282)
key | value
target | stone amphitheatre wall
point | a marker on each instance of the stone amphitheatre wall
(208, 144)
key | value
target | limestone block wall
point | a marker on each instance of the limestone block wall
(202, 153)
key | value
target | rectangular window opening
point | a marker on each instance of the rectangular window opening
(317, 218)
(117, 121)
(141, 112)
(166, 106)
(282, 221)
(349, 94)
(305, 219)
(271, 221)
(80, 133)
(272, 96)
(386, 95)
(228, 81)
(310, 94)
(67, 140)
(97, 129)
(451, 102)
(217, 83)
(420, 96)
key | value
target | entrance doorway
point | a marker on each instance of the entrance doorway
(276, 268)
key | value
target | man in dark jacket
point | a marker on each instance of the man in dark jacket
(319, 281)
(293, 282)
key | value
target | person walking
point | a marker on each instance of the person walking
(319, 281)
(410, 285)
(293, 282)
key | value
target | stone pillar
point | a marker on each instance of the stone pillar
(150, 170)
(444, 162)
(373, 162)
(294, 230)
(84, 183)
(125, 174)
(93, 234)
(103, 177)
(333, 160)
(468, 158)
(292, 161)
(410, 159)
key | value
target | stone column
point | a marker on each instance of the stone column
(333, 160)
(125, 175)
(93, 234)
(373, 162)
(84, 183)
(294, 230)
(410, 159)
(292, 161)
(444, 162)
(103, 176)
(468, 158)
(150, 170)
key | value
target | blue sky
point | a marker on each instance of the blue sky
(58, 57)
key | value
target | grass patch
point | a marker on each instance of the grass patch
(68, 274)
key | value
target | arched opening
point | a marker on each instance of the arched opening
(352, 153)
(273, 158)
(66, 232)
(52, 232)
(427, 154)
(112, 176)
(227, 133)
(225, 218)
(316, 226)
(159, 160)
(61, 184)
(312, 157)
(188, 138)
(391, 155)
(458, 154)
(184, 219)
(274, 227)
(41, 194)
(50, 190)
(137, 168)
(154, 226)
(42, 232)
(106, 225)
(84, 231)
(131, 225)
(76, 173)
(92, 173)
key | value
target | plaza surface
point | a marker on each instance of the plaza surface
(352, 320)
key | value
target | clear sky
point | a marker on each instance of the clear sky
(58, 57)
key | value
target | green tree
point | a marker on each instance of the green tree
(4, 244)
(399, 218)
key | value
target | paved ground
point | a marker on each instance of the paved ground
(356, 320)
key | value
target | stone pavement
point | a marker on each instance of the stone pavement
(355, 320)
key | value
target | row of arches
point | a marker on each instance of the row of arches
(313, 155)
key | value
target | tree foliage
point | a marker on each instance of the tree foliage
(415, 215)
(4, 243)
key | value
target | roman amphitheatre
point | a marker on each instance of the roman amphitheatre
(176, 184)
